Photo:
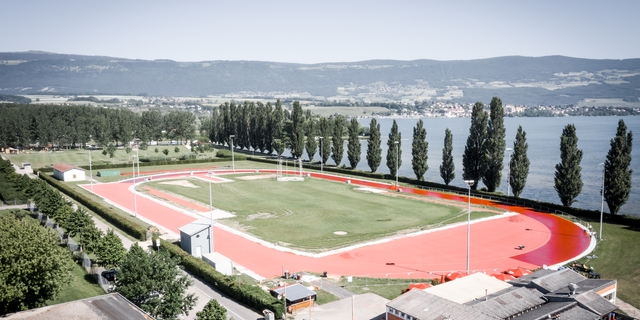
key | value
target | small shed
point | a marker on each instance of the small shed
(221, 263)
(297, 295)
(66, 172)
(195, 237)
(109, 173)
(26, 166)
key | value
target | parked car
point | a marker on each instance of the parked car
(110, 274)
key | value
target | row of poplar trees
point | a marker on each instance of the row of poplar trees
(266, 128)
(484, 151)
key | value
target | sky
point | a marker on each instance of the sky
(301, 31)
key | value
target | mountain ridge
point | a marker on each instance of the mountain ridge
(548, 80)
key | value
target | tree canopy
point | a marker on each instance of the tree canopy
(568, 177)
(153, 282)
(617, 169)
(419, 155)
(519, 163)
(473, 158)
(374, 152)
(33, 266)
(448, 167)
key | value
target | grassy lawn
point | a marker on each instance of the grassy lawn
(80, 157)
(618, 258)
(316, 209)
(386, 288)
(82, 286)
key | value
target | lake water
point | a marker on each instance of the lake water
(543, 136)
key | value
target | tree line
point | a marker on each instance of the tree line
(74, 126)
(265, 128)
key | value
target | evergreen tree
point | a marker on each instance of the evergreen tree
(394, 153)
(568, 177)
(473, 158)
(419, 155)
(212, 311)
(617, 172)
(495, 146)
(353, 152)
(337, 143)
(325, 134)
(297, 130)
(447, 168)
(374, 152)
(110, 251)
(519, 163)
(311, 144)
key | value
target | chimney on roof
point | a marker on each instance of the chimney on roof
(572, 288)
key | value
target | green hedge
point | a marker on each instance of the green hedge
(250, 295)
(227, 154)
(131, 228)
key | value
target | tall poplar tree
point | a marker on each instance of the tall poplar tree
(311, 144)
(325, 143)
(394, 149)
(277, 123)
(374, 152)
(473, 158)
(448, 167)
(568, 177)
(353, 148)
(495, 146)
(519, 163)
(419, 155)
(337, 144)
(617, 172)
(297, 130)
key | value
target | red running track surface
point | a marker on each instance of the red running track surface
(548, 239)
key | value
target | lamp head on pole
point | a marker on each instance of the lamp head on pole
(470, 182)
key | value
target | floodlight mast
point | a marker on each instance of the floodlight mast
(469, 183)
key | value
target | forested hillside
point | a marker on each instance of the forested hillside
(552, 80)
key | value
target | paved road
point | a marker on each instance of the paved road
(205, 292)
(202, 290)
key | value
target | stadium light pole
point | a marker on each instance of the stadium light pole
(90, 169)
(233, 163)
(321, 139)
(135, 204)
(602, 199)
(211, 211)
(137, 156)
(469, 183)
(397, 143)
(509, 171)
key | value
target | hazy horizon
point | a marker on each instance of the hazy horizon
(322, 32)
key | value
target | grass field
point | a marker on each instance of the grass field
(386, 288)
(316, 209)
(618, 258)
(80, 157)
(82, 286)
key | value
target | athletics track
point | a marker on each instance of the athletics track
(548, 239)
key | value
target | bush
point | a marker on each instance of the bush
(249, 295)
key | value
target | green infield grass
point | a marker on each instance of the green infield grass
(324, 214)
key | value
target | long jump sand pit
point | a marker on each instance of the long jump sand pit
(547, 239)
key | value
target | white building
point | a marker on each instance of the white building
(66, 172)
